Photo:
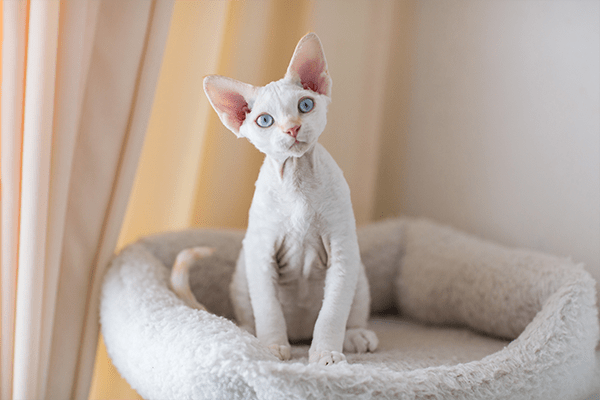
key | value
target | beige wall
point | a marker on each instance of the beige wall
(504, 125)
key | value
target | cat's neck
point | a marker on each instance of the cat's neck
(294, 167)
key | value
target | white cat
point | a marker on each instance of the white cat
(299, 274)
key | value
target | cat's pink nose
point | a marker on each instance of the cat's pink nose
(293, 132)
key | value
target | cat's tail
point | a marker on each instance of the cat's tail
(180, 274)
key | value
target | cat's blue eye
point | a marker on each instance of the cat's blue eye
(264, 120)
(306, 104)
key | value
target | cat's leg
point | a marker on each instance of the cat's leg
(240, 296)
(358, 338)
(261, 273)
(340, 285)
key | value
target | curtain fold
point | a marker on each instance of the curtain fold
(159, 19)
(90, 75)
(37, 137)
(14, 37)
(72, 64)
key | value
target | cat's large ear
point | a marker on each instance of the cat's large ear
(230, 99)
(309, 67)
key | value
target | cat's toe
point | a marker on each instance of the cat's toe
(326, 357)
(281, 351)
(360, 340)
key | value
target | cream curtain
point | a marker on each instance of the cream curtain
(78, 81)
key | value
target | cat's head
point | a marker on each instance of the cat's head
(284, 118)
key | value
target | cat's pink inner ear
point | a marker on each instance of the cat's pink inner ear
(308, 65)
(235, 107)
(313, 76)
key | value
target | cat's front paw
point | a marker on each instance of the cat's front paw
(326, 357)
(360, 340)
(281, 351)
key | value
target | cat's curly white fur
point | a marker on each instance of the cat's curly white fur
(299, 274)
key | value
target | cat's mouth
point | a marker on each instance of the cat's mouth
(297, 147)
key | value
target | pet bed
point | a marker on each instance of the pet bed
(475, 321)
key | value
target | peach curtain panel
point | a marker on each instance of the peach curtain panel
(77, 88)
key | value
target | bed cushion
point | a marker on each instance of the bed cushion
(457, 317)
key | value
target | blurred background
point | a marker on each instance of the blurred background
(480, 114)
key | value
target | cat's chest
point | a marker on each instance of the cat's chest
(301, 230)
(298, 197)
(297, 208)
(301, 255)
(301, 249)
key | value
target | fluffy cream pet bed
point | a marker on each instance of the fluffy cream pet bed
(478, 321)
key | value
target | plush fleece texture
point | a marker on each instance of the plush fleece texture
(477, 321)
